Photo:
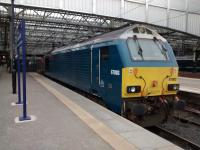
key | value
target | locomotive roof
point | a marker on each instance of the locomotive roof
(140, 30)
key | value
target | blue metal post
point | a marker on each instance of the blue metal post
(24, 117)
(18, 76)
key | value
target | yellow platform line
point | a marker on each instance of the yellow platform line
(106, 133)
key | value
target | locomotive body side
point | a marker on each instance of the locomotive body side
(94, 68)
(72, 68)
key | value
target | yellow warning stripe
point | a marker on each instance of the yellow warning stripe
(106, 133)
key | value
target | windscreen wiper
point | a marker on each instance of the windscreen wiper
(162, 48)
(156, 40)
(140, 51)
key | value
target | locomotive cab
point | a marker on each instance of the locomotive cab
(150, 66)
(149, 76)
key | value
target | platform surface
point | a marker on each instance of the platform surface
(83, 125)
(191, 85)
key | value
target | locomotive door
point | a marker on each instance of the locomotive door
(100, 69)
(94, 69)
(104, 70)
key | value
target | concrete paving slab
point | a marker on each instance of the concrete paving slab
(102, 115)
(56, 127)
(120, 126)
(145, 140)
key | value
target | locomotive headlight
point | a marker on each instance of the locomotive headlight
(133, 89)
(173, 87)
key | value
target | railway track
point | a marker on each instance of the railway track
(188, 121)
(191, 99)
(189, 115)
(193, 109)
(176, 139)
(190, 118)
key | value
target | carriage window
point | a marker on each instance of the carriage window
(104, 53)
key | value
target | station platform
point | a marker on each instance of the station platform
(66, 120)
(191, 85)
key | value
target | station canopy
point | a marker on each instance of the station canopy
(47, 29)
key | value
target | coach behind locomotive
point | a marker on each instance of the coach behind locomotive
(133, 70)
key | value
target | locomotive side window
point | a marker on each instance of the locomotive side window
(104, 53)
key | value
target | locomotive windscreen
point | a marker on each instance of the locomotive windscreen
(147, 49)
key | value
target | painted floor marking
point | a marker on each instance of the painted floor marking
(107, 134)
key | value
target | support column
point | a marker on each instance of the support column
(186, 11)
(12, 47)
(5, 37)
(168, 12)
(147, 11)
(94, 6)
(196, 53)
(122, 9)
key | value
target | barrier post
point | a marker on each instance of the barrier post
(18, 76)
(23, 46)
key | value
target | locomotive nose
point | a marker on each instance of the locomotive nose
(149, 81)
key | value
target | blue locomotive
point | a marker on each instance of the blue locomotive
(133, 70)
